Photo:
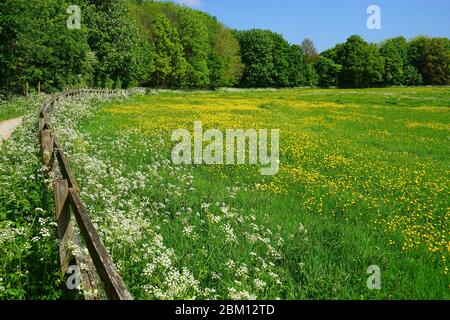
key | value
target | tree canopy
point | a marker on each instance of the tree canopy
(122, 43)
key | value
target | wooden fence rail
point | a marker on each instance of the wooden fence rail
(98, 274)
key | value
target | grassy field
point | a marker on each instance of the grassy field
(363, 181)
(29, 255)
(15, 107)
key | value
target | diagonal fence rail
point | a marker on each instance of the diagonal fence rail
(96, 270)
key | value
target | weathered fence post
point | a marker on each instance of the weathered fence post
(47, 148)
(62, 206)
(69, 242)
(65, 231)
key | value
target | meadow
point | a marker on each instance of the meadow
(363, 181)
(14, 108)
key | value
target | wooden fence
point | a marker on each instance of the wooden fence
(98, 275)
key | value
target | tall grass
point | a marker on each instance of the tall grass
(29, 260)
(363, 181)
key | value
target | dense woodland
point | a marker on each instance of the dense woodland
(123, 43)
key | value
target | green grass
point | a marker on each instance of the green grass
(29, 249)
(363, 181)
(15, 107)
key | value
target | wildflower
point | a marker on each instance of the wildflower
(230, 264)
(242, 271)
(205, 206)
(259, 284)
(240, 295)
(229, 233)
(187, 230)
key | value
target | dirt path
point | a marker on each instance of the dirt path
(7, 127)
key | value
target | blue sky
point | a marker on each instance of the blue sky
(328, 22)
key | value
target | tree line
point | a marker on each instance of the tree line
(123, 43)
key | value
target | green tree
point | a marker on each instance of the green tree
(362, 64)
(431, 57)
(225, 64)
(194, 38)
(311, 76)
(280, 60)
(123, 43)
(267, 59)
(327, 71)
(435, 62)
(257, 55)
(211, 50)
(412, 76)
(54, 56)
(395, 54)
(170, 65)
(119, 47)
(13, 20)
(416, 50)
(333, 53)
(296, 66)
